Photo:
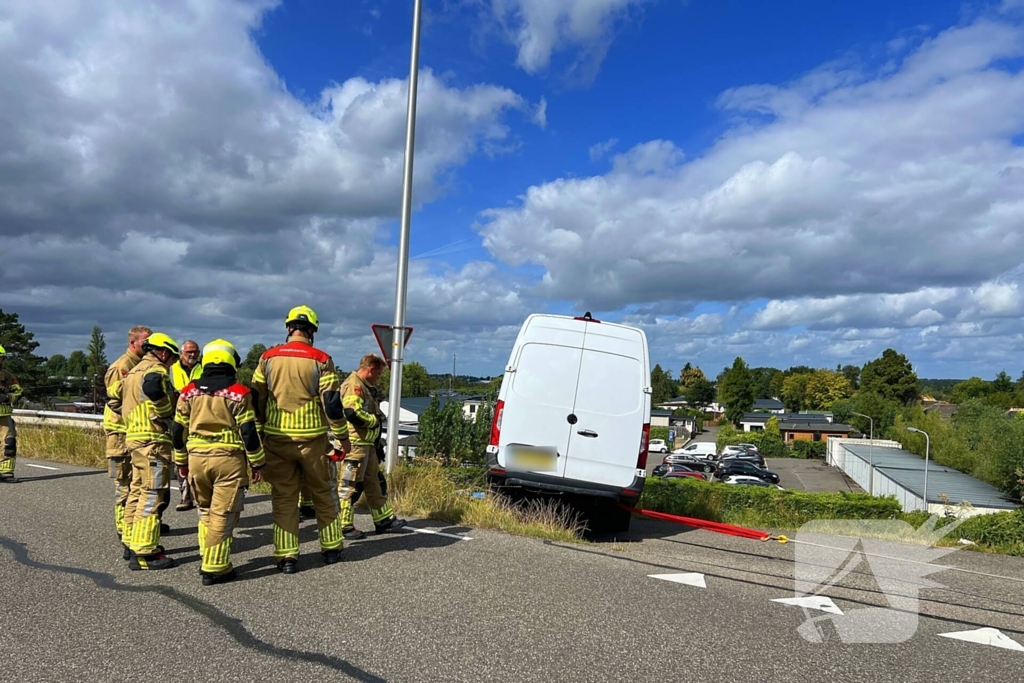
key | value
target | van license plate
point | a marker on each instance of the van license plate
(532, 460)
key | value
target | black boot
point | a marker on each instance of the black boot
(211, 579)
(127, 554)
(352, 534)
(332, 556)
(392, 524)
(288, 565)
(164, 528)
(154, 561)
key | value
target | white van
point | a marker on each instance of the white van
(574, 414)
(708, 451)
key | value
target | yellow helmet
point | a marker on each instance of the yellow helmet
(303, 314)
(159, 340)
(221, 351)
(3, 351)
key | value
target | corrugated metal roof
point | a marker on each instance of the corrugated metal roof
(907, 470)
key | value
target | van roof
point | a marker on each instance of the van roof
(570, 322)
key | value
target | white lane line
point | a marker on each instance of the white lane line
(986, 636)
(42, 467)
(819, 602)
(687, 579)
(439, 533)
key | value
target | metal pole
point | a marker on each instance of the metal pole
(927, 449)
(402, 284)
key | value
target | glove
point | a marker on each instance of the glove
(257, 474)
(381, 455)
(337, 455)
(183, 472)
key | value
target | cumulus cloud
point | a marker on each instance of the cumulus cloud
(154, 168)
(540, 28)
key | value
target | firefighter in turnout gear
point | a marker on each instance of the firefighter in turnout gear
(148, 411)
(10, 390)
(185, 370)
(119, 460)
(297, 399)
(360, 471)
(216, 442)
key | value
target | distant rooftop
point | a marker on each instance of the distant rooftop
(802, 417)
(768, 404)
(814, 426)
(907, 470)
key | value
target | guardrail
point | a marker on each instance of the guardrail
(59, 419)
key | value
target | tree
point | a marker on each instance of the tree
(415, 381)
(852, 375)
(21, 359)
(248, 366)
(690, 375)
(663, 387)
(794, 389)
(445, 432)
(762, 378)
(969, 389)
(97, 363)
(891, 376)
(78, 364)
(736, 391)
(56, 366)
(1002, 383)
(823, 388)
(700, 395)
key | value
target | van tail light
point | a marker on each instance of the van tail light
(499, 410)
(645, 438)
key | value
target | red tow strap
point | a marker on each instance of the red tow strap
(717, 527)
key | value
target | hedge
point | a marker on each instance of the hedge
(802, 448)
(760, 506)
(1001, 532)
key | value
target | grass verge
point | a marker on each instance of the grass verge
(73, 445)
(772, 509)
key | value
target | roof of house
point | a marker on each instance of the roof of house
(813, 426)
(768, 404)
(802, 417)
(907, 470)
(661, 413)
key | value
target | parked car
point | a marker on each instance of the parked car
(736, 450)
(680, 471)
(747, 480)
(557, 429)
(657, 446)
(749, 447)
(694, 463)
(748, 457)
(734, 466)
(665, 469)
(706, 451)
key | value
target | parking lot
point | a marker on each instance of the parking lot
(795, 473)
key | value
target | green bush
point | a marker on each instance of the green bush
(760, 507)
(1002, 532)
(803, 448)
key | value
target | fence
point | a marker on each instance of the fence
(59, 419)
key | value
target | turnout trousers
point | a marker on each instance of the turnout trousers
(152, 471)
(360, 475)
(8, 447)
(289, 463)
(119, 468)
(218, 483)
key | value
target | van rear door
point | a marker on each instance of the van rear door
(543, 390)
(610, 406)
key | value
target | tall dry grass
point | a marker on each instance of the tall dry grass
(73, 445)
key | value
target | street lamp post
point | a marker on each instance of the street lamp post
(871, 453)
(402, 285)
(927, 448)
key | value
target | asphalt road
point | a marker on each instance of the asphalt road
(420, 607)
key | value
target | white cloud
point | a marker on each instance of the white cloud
(154, 168)
(540, 28)
(600, 149)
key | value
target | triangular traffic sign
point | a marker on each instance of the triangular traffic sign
(385, 336)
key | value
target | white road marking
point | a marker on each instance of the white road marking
(687, 579)
(42, 467)
(439, 533)
(986, 636)
(819, 602)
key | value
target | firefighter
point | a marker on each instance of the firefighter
(148, 412)
(216, 443)
(186, 369)
(297, 399)
(10, 390)
(119, 460)
(360, 471)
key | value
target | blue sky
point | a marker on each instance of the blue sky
(796, 183)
